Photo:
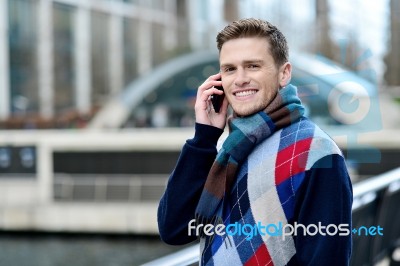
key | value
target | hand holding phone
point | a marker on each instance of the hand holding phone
(217, 99)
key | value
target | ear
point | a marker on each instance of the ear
(285, 74)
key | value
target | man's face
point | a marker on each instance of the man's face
(249, 75)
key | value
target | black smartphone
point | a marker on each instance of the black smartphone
(217, 99)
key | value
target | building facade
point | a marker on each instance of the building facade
(61, 60)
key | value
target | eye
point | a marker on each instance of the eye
(229, 69)
(253, 66)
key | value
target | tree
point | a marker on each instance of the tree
(392, 58)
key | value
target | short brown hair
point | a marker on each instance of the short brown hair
(251, 27)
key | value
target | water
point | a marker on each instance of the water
(79, 250)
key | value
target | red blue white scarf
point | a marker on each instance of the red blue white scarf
(245, 133)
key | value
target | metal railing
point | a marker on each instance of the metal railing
(364, 193)
(186, 256)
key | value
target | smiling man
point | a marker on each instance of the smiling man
(278, 191)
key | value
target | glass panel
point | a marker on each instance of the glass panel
(159, 54)
(63, 57)
(100, 48)
(130, 50)
(23, 56)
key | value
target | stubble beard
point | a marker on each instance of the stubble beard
(250, 109)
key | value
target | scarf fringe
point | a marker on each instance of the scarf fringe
(215, 220)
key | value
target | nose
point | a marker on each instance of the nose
(241, 79)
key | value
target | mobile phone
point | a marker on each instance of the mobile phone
(217, 99)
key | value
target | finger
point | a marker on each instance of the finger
(212, 91)
(207, 89)
(206, 95)
(214, 77)
(210, 82)
(208, 86)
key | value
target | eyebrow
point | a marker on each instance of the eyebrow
(251, 61)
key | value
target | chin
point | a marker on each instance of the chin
(247, 111)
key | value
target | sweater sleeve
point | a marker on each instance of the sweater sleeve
(325, 197)
(177, 205)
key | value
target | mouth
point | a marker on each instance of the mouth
(244, 93)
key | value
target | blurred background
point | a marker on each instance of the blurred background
(97, 96)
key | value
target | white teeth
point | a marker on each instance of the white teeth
(245, 93)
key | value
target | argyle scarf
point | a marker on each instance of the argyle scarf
(245, 133)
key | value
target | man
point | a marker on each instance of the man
(275, 170)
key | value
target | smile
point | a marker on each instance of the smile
(245, 93)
